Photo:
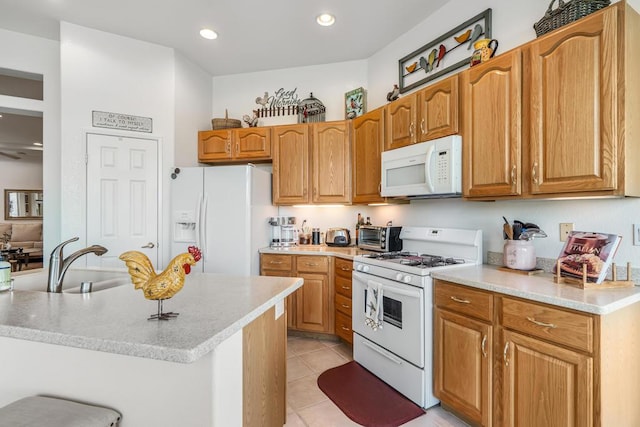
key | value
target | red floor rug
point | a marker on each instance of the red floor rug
(365, 398)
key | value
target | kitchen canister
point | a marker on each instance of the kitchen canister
(519, 254)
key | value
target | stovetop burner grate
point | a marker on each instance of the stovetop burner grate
(413, 259)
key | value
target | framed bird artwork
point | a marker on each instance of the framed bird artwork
(355, 103)
(444, 54)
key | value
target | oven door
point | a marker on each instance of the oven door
(402, 331)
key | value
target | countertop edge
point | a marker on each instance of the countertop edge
(142, 350)
(455, 276)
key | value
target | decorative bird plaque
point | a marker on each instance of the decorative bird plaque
(444, 54)
(164, 285)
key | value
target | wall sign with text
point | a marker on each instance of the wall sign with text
(103, 119)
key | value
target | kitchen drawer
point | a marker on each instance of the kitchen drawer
(313, 264)
(464, 300)
(343, 304)
(552, 324)
(276, 262)
(343, 286)
(343, 327)
(344, 268)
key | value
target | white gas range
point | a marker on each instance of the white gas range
(400, 351)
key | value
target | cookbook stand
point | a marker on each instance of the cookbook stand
(584, 284)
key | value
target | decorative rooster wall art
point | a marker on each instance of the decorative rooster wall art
(164, 285)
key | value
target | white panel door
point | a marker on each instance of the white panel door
(122, 197)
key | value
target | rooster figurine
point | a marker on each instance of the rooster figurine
(164, 285)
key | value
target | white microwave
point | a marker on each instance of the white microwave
(423, 170)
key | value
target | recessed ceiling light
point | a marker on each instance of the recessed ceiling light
(208, 34)
(326, 19)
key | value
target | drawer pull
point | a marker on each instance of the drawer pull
(504, 353)
(345, 329)
(311, 264)
(460, 300)
(275, 262)
(345, 306)
(544, 325)
(345, 269)
(483, 346)
(346, 288)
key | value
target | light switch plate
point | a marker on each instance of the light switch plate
(565, 229)
(636, 234)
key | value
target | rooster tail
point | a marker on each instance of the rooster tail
(140, 268)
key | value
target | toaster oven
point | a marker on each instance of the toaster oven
(380, 238)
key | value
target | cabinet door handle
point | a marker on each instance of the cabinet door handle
(534, 173)
(460, 300)
(543, 324)
(346, 288)
(379, 187)
(345, 306)
(237, 147)
(412, 132)
(504, 354)
(514, 179)
(422, 126)
(483, 346)
(345, 329)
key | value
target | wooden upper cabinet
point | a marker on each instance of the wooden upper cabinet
(401, 122)
(214, 145)
(438, 110)
(574, 83)
(366, 150)
(253, 143)
(291, 164)
(227, 145)
(331, 162)
(491, 127)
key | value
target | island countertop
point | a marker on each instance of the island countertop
(212, 308)
(542, 288)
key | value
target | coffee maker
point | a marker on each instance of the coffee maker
(283, 231)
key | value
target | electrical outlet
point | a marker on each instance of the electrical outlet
(636, 234)
(565, 229)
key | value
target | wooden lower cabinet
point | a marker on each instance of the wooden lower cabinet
(342, 279)
(264, 343)
(505, 361)
(463, 342)
(545, 384)
(311, 307)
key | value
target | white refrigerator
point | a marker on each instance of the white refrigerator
(224, 210)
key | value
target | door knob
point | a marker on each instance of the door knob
(149, 245)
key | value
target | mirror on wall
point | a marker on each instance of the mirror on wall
(22, 204)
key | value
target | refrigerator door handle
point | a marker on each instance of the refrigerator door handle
(198, 224)
(203, 227)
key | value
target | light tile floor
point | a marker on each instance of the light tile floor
(308, 406)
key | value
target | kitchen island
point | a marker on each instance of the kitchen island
(205, 367)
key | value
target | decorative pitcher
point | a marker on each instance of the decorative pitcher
(484, 50)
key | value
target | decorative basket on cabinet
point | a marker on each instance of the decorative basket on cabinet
(566, 12)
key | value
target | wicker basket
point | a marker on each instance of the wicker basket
(567, 11)
(225, 123)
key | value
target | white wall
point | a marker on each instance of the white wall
(106, 72)
(193, 109)
(41, 56)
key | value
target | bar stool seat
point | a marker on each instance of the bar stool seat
(39, 411)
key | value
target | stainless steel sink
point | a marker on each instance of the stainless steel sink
(101, 280)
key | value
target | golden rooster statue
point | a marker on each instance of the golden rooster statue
(164, 285)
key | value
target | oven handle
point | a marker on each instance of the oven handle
(393, 289)
(386, 354)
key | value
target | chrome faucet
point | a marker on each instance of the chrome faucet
(58, 265)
